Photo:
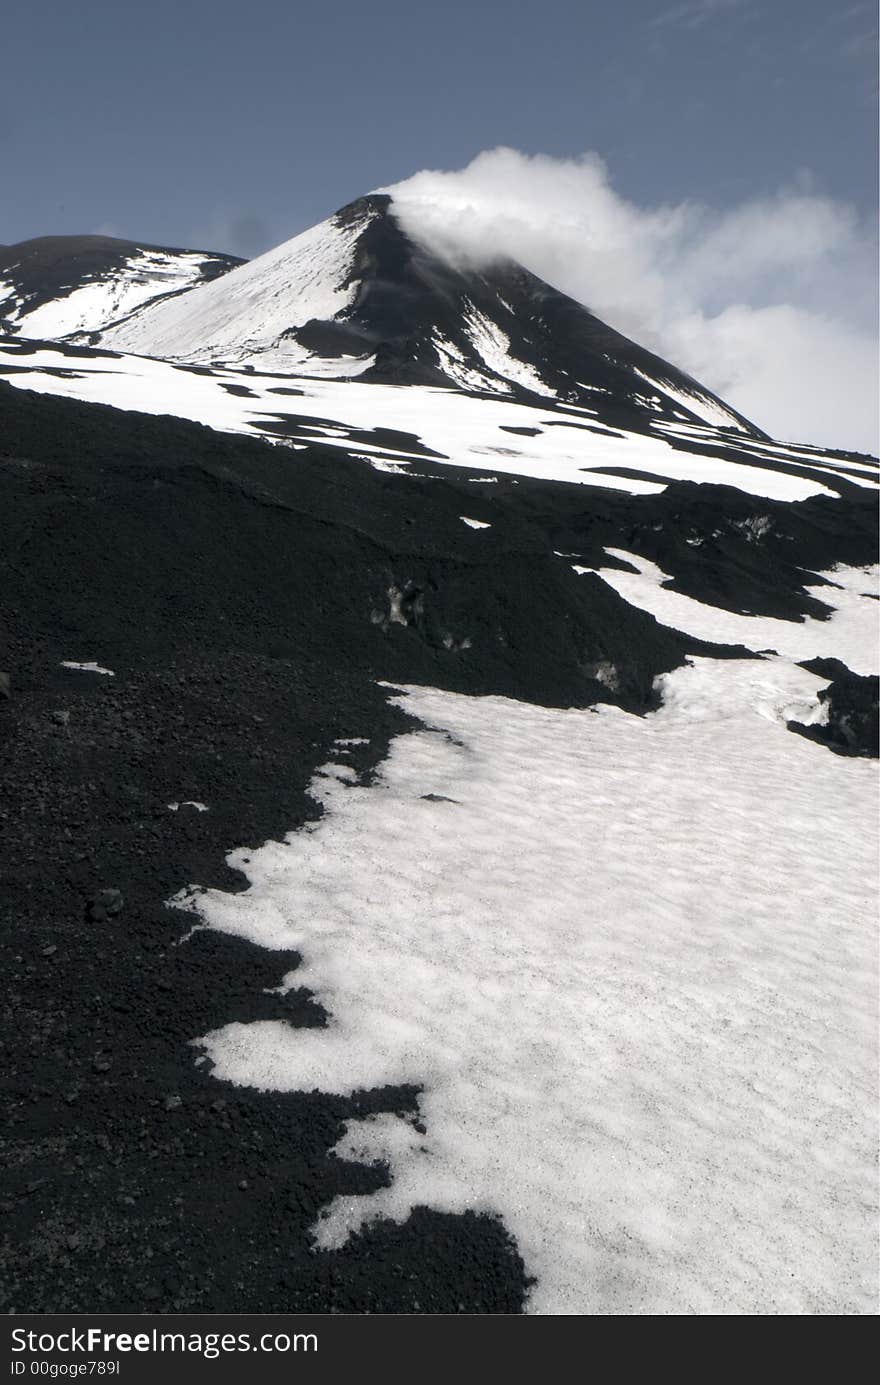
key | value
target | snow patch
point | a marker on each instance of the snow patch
(492, 344)
(87, 667)
(850, 635)
(710, 410)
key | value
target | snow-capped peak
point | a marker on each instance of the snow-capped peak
(255, 314)
(356, 295)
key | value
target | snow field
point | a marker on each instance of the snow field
(465, 430)
(632, 967)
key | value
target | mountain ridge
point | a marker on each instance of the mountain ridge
(59, 285)
(357, 297)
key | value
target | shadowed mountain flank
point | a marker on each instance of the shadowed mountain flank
(87, 282)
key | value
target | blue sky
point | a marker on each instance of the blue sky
(235, 125)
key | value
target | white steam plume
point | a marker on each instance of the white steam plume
(769, 303)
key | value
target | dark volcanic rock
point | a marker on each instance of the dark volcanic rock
(105, 904)
(853, 703)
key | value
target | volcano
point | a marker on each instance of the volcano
(356, 296)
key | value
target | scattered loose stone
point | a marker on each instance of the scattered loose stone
(105, 904)
(61, 717)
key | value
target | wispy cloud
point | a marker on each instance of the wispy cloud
(243, 233)
(693, 14)
(768, 302)
(108, 228)
(850, 34)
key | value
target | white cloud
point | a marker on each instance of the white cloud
(768, 303)
(693, 14)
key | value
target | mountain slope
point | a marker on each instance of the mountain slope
(58, 285)
(356, 296)
(546, 941)
(506, 730)
(412, 427)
